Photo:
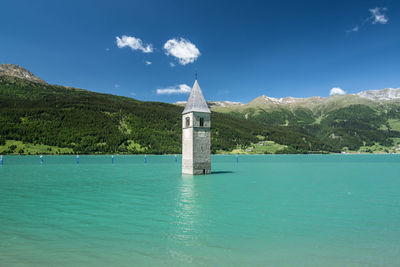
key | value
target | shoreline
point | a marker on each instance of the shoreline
(219, 154)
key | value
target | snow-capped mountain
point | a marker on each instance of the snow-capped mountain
(384, 94)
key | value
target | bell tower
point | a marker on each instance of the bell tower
(196, 134)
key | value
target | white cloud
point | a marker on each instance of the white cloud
(134, 43)
(378, 15)
(337, 91)
(172, 64)
(148, 62)
(185, 51)
(178, 89)
(354, 29)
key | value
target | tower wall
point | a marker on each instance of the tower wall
(196, 143)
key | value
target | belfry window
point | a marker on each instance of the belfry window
(201, 122)
(187, 121)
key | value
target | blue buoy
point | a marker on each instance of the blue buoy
(1, 160)
(77, 159)
(176, 159)
(237, 159)
(145, 158)
(112, 159)
(41, 159)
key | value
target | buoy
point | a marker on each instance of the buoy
(1, 160)
(176, 159)
(41, 159)
(112, 159)
(77, 159)
(145, 158)
(237, 159)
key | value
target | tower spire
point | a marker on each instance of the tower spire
(196, 101)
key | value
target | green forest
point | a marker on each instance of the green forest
(41, 118)
(88, 122)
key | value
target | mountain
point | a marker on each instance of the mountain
(36, 117)
(314, 103)
(10, 70)
(370, 98)
(361, 122)
(381, 95)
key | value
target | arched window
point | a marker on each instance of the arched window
(187, 121)
(201, 122)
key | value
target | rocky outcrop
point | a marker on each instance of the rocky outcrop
(19, 72)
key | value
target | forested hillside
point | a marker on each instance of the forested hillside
(88, 122)
(347, 122)
(36, 117)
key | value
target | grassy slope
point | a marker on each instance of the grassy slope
(20, 148)
(263, 147)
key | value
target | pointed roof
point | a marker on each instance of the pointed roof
(196, 101)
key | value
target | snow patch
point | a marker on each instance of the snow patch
(283, 100)
(384, 94)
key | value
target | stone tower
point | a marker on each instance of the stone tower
(196, 134)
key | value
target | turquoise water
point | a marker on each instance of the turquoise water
(289, 210)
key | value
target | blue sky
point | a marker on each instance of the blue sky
(242, 49)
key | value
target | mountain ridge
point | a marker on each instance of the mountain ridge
(13, 70)
(385, 94)
(380, 95)
(62, 119)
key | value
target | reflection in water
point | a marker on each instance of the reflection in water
(186, 219)
(185, 212)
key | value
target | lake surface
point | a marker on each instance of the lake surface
(272, 210)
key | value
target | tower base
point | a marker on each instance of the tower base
(198, 169)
